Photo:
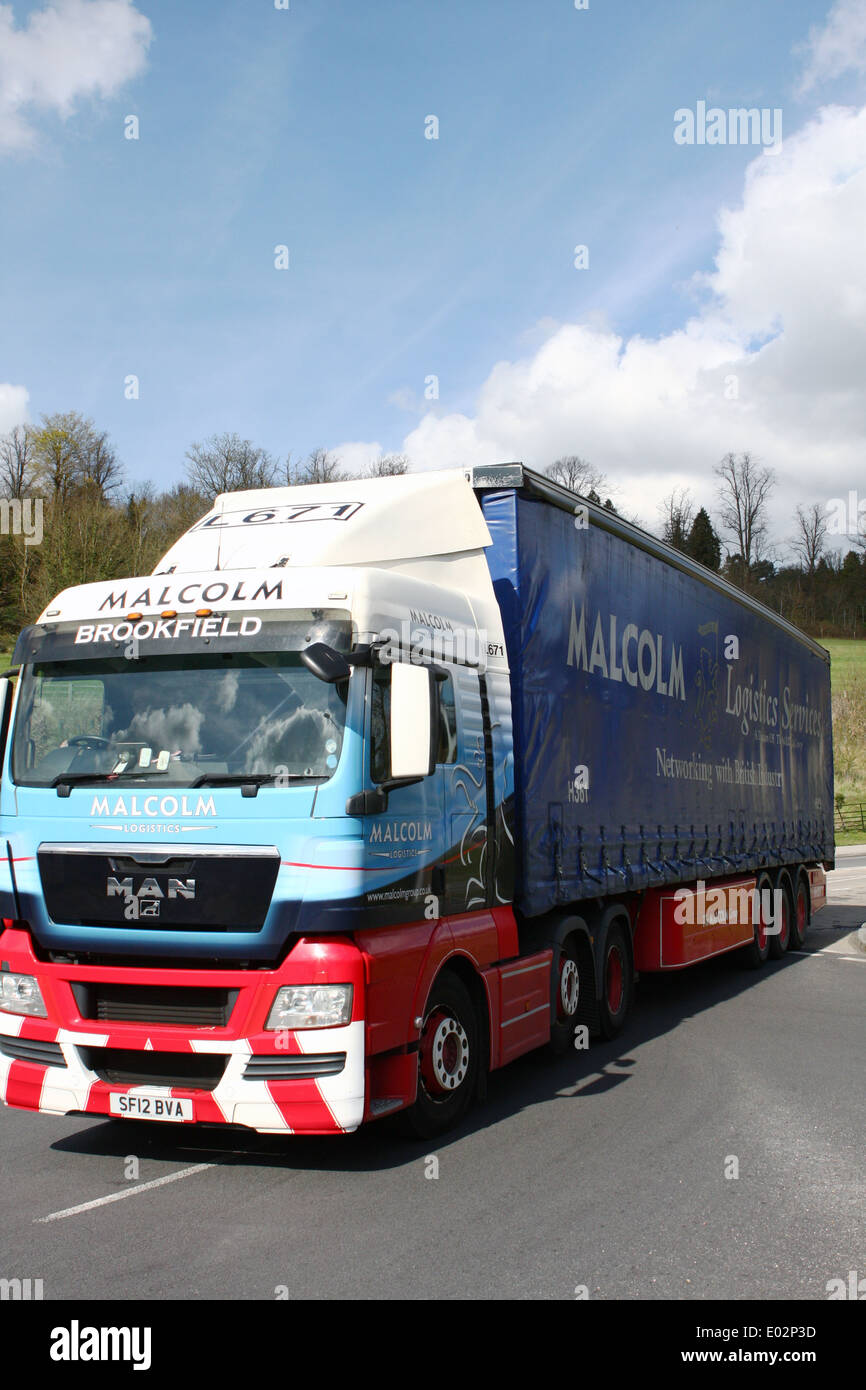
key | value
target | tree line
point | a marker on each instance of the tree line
(93, 525)
(818, 587)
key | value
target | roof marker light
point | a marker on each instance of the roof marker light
(168, 613)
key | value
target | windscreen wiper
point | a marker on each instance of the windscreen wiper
(65, 780)
(249, 782)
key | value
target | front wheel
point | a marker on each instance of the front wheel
(448, 1059)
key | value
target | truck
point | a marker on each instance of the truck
(373, 787)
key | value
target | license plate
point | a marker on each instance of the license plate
(149, 1105)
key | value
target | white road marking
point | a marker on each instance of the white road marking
(129, 1192)
(826, 955)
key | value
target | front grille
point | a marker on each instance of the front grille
(49, 1054)
(289, 1068)
(197, 1071)
(190, 1006)
(195, 888)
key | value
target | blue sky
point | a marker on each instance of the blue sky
(408, 256)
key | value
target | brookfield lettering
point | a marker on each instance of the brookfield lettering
(170, 628)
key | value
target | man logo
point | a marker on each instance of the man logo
(146, 900)
(150, 888)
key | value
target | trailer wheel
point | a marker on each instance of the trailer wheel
(617, 981)
(573, 990)
(801, 916)
(780, 942)
(758, 949)
(448, 1059)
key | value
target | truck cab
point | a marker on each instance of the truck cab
(226, 786)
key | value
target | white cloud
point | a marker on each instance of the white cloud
(840, 46)
(772, 362)
(13, 406)
(356, 456)
(71, 49)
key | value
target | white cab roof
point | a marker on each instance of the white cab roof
(360, 522)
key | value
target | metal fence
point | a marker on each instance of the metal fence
(851, 816)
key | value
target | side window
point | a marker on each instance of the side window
(447, 750)
(380, 725)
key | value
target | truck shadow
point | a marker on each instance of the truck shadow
(663, 1002)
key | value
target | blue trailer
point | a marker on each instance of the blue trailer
(666, 726)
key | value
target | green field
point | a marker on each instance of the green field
(848, 676)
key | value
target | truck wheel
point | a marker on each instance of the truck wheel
(800, 916)
(758, 949)
(617, 982)
(572, 986)
(448, 1059)
(780, 942)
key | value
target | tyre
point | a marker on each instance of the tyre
(572, 988)
(448, 1059)
(800, 916)
(758, 949)
(780, 940)
(617, 980)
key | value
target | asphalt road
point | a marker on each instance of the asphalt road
(609, 1169)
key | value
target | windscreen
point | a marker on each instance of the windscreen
(182, 719)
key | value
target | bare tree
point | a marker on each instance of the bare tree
(59, 445)
(17, 463)
(388, 466)
(99, 465)
(808, 543)
(227, 463)
(577, 474)
(68, 453)
(744, 491)
(677, 512)
(320, 467)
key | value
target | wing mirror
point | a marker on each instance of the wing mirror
(326, 663)
(412, 694)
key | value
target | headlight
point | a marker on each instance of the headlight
(311, 1006)
(20, 994)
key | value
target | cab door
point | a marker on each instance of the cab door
(462, 764)
(405, 832)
